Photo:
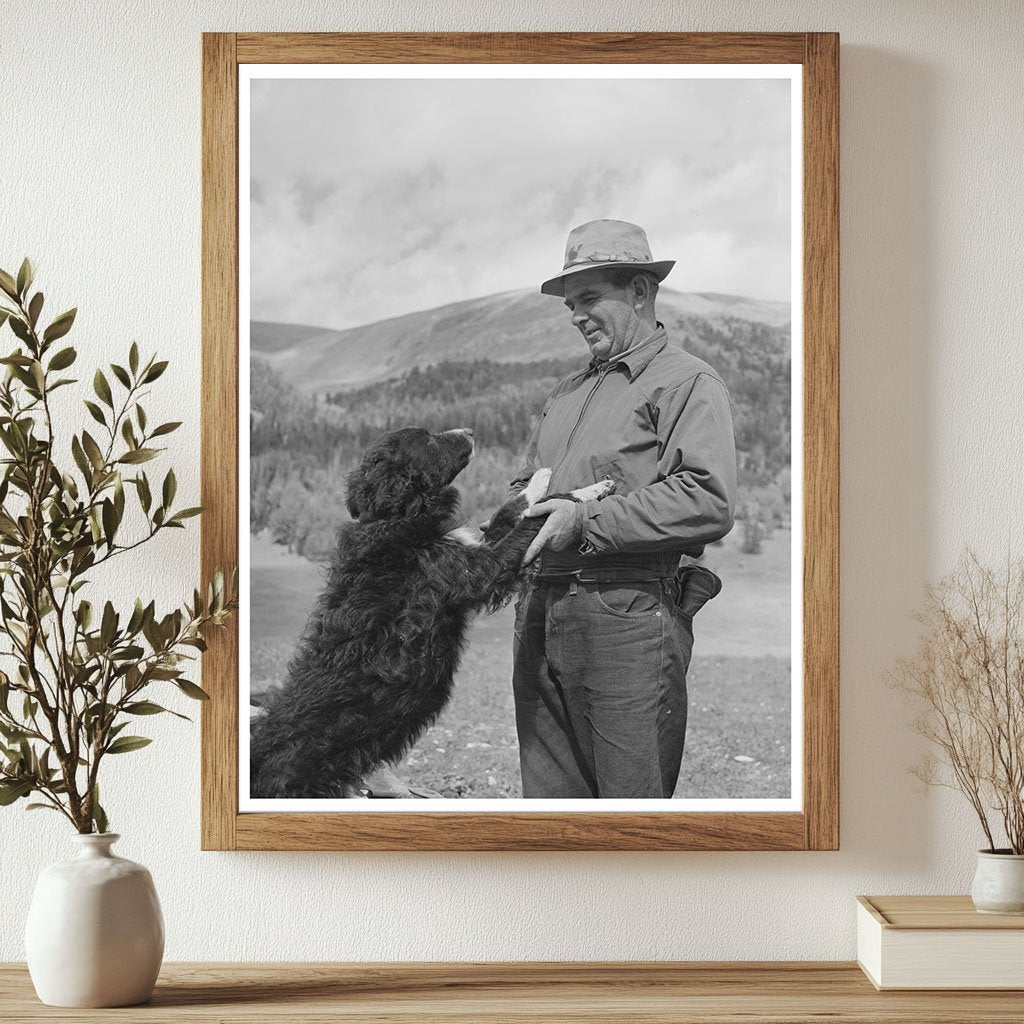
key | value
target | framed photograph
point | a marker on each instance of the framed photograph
(520, 420)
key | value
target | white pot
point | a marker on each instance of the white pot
(999, 883)
(95, 934)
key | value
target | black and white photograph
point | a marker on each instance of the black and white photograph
(517, 404)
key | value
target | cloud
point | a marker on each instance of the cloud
(373, 198)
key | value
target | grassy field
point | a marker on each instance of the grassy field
(739, 681)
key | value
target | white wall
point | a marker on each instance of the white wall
(100, 183)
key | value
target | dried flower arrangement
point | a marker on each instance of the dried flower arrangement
(967, 680)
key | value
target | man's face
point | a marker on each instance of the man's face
(602, 312)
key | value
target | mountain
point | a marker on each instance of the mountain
(510, 327)
(266, 338)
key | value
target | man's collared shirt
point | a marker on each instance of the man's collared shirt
(657, 421)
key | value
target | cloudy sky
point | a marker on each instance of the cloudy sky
(374, 198)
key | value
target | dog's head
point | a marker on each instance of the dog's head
(408, 473)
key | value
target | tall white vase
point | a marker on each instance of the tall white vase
(95, 933)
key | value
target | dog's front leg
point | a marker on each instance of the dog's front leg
(493, 580)
(504, 521)
(490, 573)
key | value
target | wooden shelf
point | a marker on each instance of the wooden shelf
(665, 993)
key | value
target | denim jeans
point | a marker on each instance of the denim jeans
(599, 679)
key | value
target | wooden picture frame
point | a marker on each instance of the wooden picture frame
(816, 826)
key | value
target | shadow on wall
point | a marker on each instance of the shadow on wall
(887, 294)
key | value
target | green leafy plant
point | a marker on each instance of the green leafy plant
(80, 673)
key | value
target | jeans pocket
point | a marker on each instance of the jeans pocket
(629, 600)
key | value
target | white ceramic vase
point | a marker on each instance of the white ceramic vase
(95, 933)
(999, 883)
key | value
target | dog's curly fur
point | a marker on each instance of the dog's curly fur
(376, 663)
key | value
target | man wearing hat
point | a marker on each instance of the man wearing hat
(603, 631)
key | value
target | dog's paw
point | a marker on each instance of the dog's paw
(594, 491)
(537, 487)
(465, 537)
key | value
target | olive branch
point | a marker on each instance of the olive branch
(81, 674)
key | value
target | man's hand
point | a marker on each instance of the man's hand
(562, 529)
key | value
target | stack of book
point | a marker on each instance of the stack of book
(906, 942)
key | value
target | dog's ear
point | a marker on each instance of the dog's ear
(379, 488)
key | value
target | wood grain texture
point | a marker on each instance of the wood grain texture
(936, 912)
(817, 827)
(665, 993)
(821, 440)
(219, 434)
(521, 48)
(439, 831)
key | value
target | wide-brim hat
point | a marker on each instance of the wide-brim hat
(606, 243)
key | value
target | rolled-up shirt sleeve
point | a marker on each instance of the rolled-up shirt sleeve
(693, 501)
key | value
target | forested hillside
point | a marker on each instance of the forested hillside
(511, 327)
(303, 446)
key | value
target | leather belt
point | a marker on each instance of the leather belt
(624, 575)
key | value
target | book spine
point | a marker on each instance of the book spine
(869, 945)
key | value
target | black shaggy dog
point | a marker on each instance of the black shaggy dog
(376, 663)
